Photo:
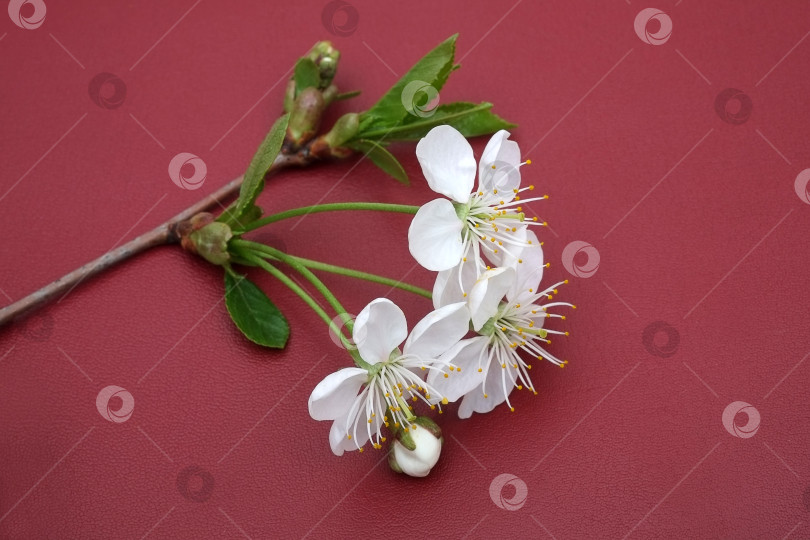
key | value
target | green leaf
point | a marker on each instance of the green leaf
(434, 69)
(306, 75)
(265, 156)
(229, 216)
(254, 314)
(469, 118)
(382, 158)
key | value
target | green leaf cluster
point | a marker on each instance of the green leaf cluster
(391, 120)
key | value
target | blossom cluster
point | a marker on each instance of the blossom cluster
(488, 323)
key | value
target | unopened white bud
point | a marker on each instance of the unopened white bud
(426, 443)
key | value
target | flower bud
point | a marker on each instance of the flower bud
(416, 450)
(211, 242)
(326, 58)
(344, 130)
(305, 117)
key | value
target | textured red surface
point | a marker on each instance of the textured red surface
(696, 221)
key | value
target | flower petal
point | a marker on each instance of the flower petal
(434, 237)
(354, 422)
(497, 379)
(447, 162)
(468, 355)
(451, 284)
(438, 331)
(500, 148)
(339, 441)
(335, 394)
(505, 156)
(529, 271)
(337, 438)
(379, 329)
(487, 293)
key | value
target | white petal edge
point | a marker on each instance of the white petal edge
(505, 155)
(529, 272)
(434, 236)
(334, 395)
(447, 162)
(475, 400)
(355, 421)
(438, 331)
(451, 284)
(379, 329)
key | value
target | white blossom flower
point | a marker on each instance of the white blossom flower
(488, 222)
(356, 399)
(508, 313)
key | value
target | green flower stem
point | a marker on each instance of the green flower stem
(334, 269)
(293, 286)
(309, 276)
(281, 276)
(317, 265)
(329, 207)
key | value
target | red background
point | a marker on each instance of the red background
(622, 442)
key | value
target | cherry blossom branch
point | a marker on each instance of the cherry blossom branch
(163, 234)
